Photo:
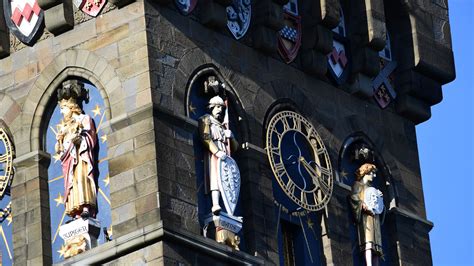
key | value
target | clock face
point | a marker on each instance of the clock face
(6, 161)
(7, 154)
(299, 160)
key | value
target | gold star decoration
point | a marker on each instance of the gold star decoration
(62, 251)
(310, 223)
(107, 180)
(344, 173)
(56, 157)
(103, 138)
(59, 200)
(192, 109)
(96, 111)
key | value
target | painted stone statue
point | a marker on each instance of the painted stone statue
(367, 207)
(76, 141)
(219, 141)
(222, 176)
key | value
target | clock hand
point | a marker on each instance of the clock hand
(318, 181)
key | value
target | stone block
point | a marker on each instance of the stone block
(327, 13)
(412, 108)
(146, 203)
(148, 218)
(107, 38)
(45, 4)
(145, 170)
(213, 14)
(121, 181)
(269, 13)
(121, 3)
(59, 18)
(314, 62)
(125, 227)
(265, 39)
(123, 196)
(362, 86)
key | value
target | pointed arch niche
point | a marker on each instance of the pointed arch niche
(196, 102)
(97, 108)
(356, 150)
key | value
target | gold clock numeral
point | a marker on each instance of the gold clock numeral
(275, 151)
(290, 186)
(321, 152)
(325, 171)
(316, 198)
(296, 124)
(304, 198)
(280, 169)
(310, 133)
(286, 125)
(279, 135)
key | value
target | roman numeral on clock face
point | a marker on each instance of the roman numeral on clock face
(290, 186)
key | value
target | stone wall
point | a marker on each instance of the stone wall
(141, 57)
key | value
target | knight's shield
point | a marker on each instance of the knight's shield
(24, 18)
(374, 200)
(289, 38)
(338, 62)
(185, 6)
(239, 14)
(229, 184)
(90, 7)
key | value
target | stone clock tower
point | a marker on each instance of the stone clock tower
(217, 131)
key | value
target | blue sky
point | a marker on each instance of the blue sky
(446, 147)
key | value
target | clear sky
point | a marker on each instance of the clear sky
(446, 147)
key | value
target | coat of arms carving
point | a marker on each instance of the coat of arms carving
(24, 18)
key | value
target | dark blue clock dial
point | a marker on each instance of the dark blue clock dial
(300, 161)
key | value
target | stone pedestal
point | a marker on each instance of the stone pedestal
(226, 228)
(79, 235)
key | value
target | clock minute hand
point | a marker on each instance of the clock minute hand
(316, 178)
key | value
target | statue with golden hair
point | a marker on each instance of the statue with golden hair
(76, 140)
(367, 207)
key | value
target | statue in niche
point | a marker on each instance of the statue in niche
(367, 207)
(222, 176)
(76, 140)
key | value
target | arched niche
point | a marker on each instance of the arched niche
(356, 150)
(196, 102)
(96, 107)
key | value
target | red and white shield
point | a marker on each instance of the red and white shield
(289, 38)
(338, 62)
(24, 18)
(90, 7)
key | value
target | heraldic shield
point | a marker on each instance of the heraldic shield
(185, 6)
(239, 14)
(289, 38)
(24, 18)
(229, 183)
(90, 7)
(338, 62)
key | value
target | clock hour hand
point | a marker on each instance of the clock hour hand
(318, 181)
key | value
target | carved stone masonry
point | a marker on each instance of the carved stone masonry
(58, 15)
